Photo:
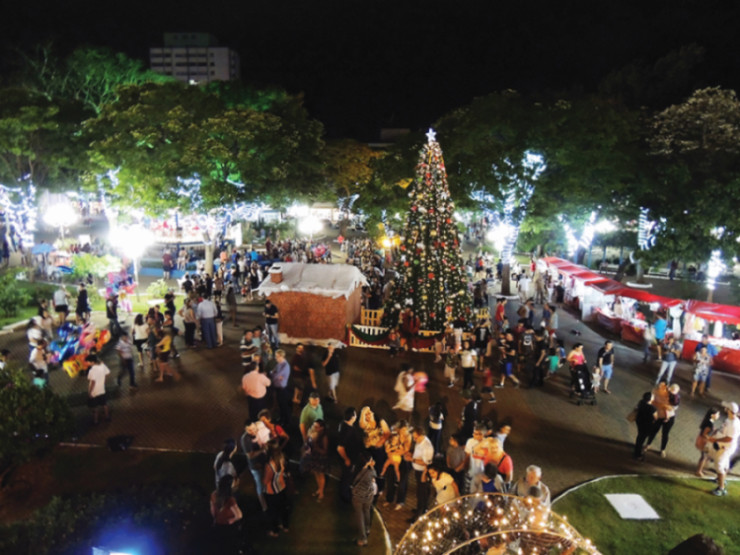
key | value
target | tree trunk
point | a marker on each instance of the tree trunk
(621, 269)
(580, 255)
(506, 280)
(209, 257)
(640, 271)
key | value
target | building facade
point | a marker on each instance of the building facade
(194, 58)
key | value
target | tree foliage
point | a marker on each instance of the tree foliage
(31, 419)
(695, 147)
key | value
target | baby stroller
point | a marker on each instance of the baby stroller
(580, 385)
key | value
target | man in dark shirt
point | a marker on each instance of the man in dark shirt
(304, 376)
(349, 445)
(272, 314)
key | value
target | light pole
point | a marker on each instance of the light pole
(133, 241)
(60, 215)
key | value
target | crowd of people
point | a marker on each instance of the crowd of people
(287, 440)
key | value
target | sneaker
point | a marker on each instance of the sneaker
(719, 492)
(451, 384)
(492, 400)
(499, 386)
(398, 507)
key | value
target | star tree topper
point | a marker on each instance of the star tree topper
(431, 136)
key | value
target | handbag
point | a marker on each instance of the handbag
(632, 416)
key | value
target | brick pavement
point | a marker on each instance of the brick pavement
(571, 443)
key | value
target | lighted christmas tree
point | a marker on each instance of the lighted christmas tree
(431, 274)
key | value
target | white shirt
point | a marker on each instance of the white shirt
(445, 491)
(98, 372)
(206, 309)
(730, 428)
(423, 450)
(476, 465)
(141, 331)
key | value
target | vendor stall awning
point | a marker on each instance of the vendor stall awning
(588, 277)
(608, 287)
(646, 297)
(714, 312)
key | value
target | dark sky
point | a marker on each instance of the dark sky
(369, 64)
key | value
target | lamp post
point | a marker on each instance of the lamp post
(310, 225)
(133, 241)
(714, 269)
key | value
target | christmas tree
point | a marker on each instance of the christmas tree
(431, 274)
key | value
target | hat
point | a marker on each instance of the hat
(732, 406)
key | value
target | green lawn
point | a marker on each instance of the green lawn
(684, 504)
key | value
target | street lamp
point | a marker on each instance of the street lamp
(133, 241)
(60, 215)
(714, 268)
(310, 225)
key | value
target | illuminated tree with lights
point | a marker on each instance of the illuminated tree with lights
(431, 273)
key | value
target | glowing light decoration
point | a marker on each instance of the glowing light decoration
(492, 522)
(431, 272)
(310, 225)
(715, 267)
(132, 241)
(61, 215)
(18, 215)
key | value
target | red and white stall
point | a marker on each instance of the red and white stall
(721, 323)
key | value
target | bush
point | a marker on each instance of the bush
(165, 515)
(12, 297)
(31, 419)
(99, 266)
(157, 289)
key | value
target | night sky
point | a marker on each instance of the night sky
(401, 63)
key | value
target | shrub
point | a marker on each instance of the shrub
(31, 419)
(76, 523)
(157, 289)
(99, 266)
(12, 297)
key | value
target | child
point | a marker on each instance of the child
(561, 352)
(394, 449)
(596, 378)
(488, 384)
(553, 362)
(394, 342)
(502, 433)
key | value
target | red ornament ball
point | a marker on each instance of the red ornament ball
(406, 263)
(413, 208)
(431, 275)
(448, 308)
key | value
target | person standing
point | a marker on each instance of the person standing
(272, 316)
(96, 388)
(660, 327)
(444, 485)
(468, 358)
(126, 354)
(231, 302)
(712, 352)
(532, 478)
(60, 300)
(280, 376)
(256, 458)
(254, 385)
(706, 429)
(82, 308)
(452, 359)
(645, 419)
(189, 319)
(206, 314)
(364, 489)
(304, 376)
(702, 364)
(725, 443)
(422, 457)
(349, 446)
(605, 358)
(278, 505)
(312, 412)
(226, 513)
(410, 326)
(331, 367)
(671, 352)
(405, 389)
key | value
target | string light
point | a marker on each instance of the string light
(479, 522)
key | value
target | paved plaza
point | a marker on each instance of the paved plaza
(571, 443)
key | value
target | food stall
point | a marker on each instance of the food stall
(634, 323)
(608, 311)
(700, 316)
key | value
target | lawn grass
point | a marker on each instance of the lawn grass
(326, 527)
(685, 506)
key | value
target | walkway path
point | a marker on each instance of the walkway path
(571, 443)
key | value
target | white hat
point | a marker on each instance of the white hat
(732, 406)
